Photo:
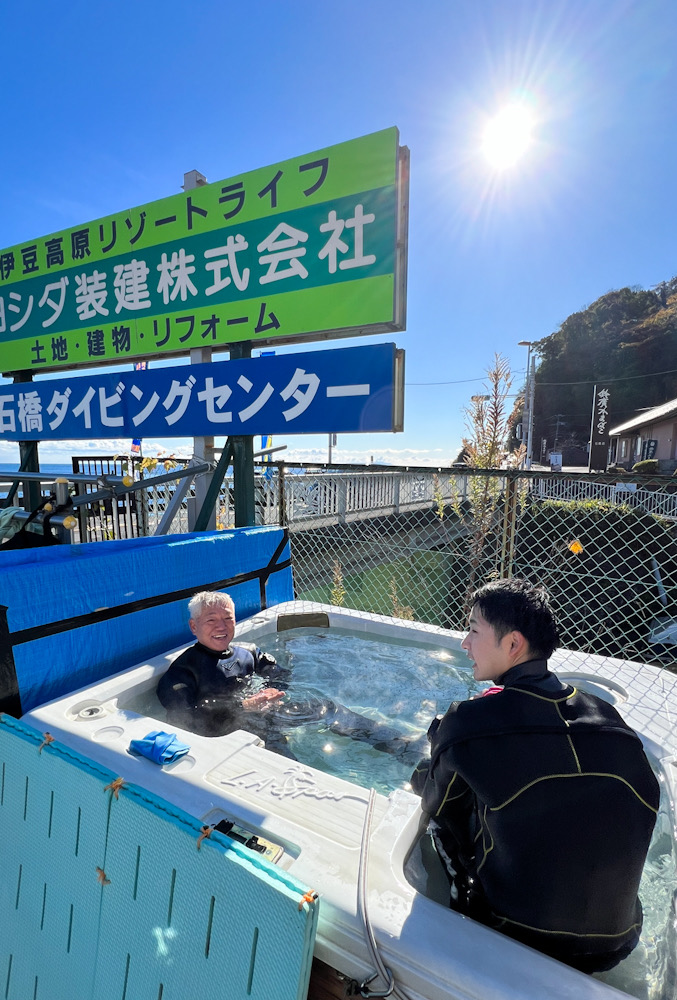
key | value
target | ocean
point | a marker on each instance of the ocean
(56, 470)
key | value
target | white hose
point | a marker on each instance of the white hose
(385, 973)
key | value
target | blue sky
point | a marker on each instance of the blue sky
(106, 105)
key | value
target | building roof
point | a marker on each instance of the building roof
(651, 416)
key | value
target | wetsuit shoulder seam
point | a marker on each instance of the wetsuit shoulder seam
(516, 730)
(542, 697)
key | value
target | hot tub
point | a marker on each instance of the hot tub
(312, 823)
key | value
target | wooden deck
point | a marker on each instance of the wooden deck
(325, 983)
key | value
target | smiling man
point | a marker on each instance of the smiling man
(207, 688)
(541, 799)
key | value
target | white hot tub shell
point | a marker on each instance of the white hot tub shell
(319, 820)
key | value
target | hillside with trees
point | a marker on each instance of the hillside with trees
(626, 340)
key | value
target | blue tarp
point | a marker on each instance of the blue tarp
(53, 585)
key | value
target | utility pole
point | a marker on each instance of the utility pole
(530, 426)
(558, 415)
(528, 417)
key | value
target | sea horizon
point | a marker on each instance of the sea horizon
(58, 468)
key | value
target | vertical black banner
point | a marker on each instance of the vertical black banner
(599, 430)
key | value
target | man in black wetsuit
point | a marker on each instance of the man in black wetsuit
(207, 690)
(541, 799)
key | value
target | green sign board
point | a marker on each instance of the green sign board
(307, 249)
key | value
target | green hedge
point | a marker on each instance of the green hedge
(647, 467)
(596, 560)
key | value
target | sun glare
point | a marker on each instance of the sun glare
(508, 136)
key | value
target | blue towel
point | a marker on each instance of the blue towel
(161, 748)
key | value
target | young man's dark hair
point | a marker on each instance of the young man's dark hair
(507, 605)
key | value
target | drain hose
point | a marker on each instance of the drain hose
(386, 975)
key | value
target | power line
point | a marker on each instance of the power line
(458, 381)
(593, 381)
(601, 379)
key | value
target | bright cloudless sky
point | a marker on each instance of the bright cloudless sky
(105, 105)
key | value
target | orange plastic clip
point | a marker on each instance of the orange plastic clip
(308, 897)
(101, 876)
(47, 738)
(205, 832)
(115, 786)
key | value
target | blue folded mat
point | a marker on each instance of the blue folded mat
(161, 748)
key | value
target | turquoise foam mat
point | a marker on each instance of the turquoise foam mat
(50, 845)
(107, 897)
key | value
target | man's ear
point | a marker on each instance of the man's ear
(518, 644)
(191, 623)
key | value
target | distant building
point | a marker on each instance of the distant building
(653, 434)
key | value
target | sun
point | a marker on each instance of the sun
(508, 136)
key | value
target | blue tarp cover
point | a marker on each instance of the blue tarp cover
(41, 586)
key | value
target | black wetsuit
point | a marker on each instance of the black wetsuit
(203, 691)
(542, 804)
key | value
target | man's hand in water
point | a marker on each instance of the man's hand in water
(262, 699)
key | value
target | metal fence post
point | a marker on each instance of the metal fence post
(281, 495)
(342, 498)
(506, 529)
(513, 521)
(10, 699)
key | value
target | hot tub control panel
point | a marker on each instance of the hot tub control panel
(266, 848)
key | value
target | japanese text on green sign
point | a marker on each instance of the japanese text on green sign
(304, 248)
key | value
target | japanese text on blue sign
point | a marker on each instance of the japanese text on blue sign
(344, 390)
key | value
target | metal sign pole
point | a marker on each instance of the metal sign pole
(203, 447)
(28, 458)
(203, 451)
(243, 459)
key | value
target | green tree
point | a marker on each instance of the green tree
(623, 339)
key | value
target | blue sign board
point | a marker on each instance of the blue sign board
(343, 390)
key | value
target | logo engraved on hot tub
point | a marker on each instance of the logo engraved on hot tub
(297, 782)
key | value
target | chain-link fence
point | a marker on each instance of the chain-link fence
(605, 550)
(416, 543)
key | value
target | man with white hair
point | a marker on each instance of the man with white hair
(207, 689)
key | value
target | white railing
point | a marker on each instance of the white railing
(316, 495)
(311, 496)
(657, 502)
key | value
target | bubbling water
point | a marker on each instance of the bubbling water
(388, 681)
